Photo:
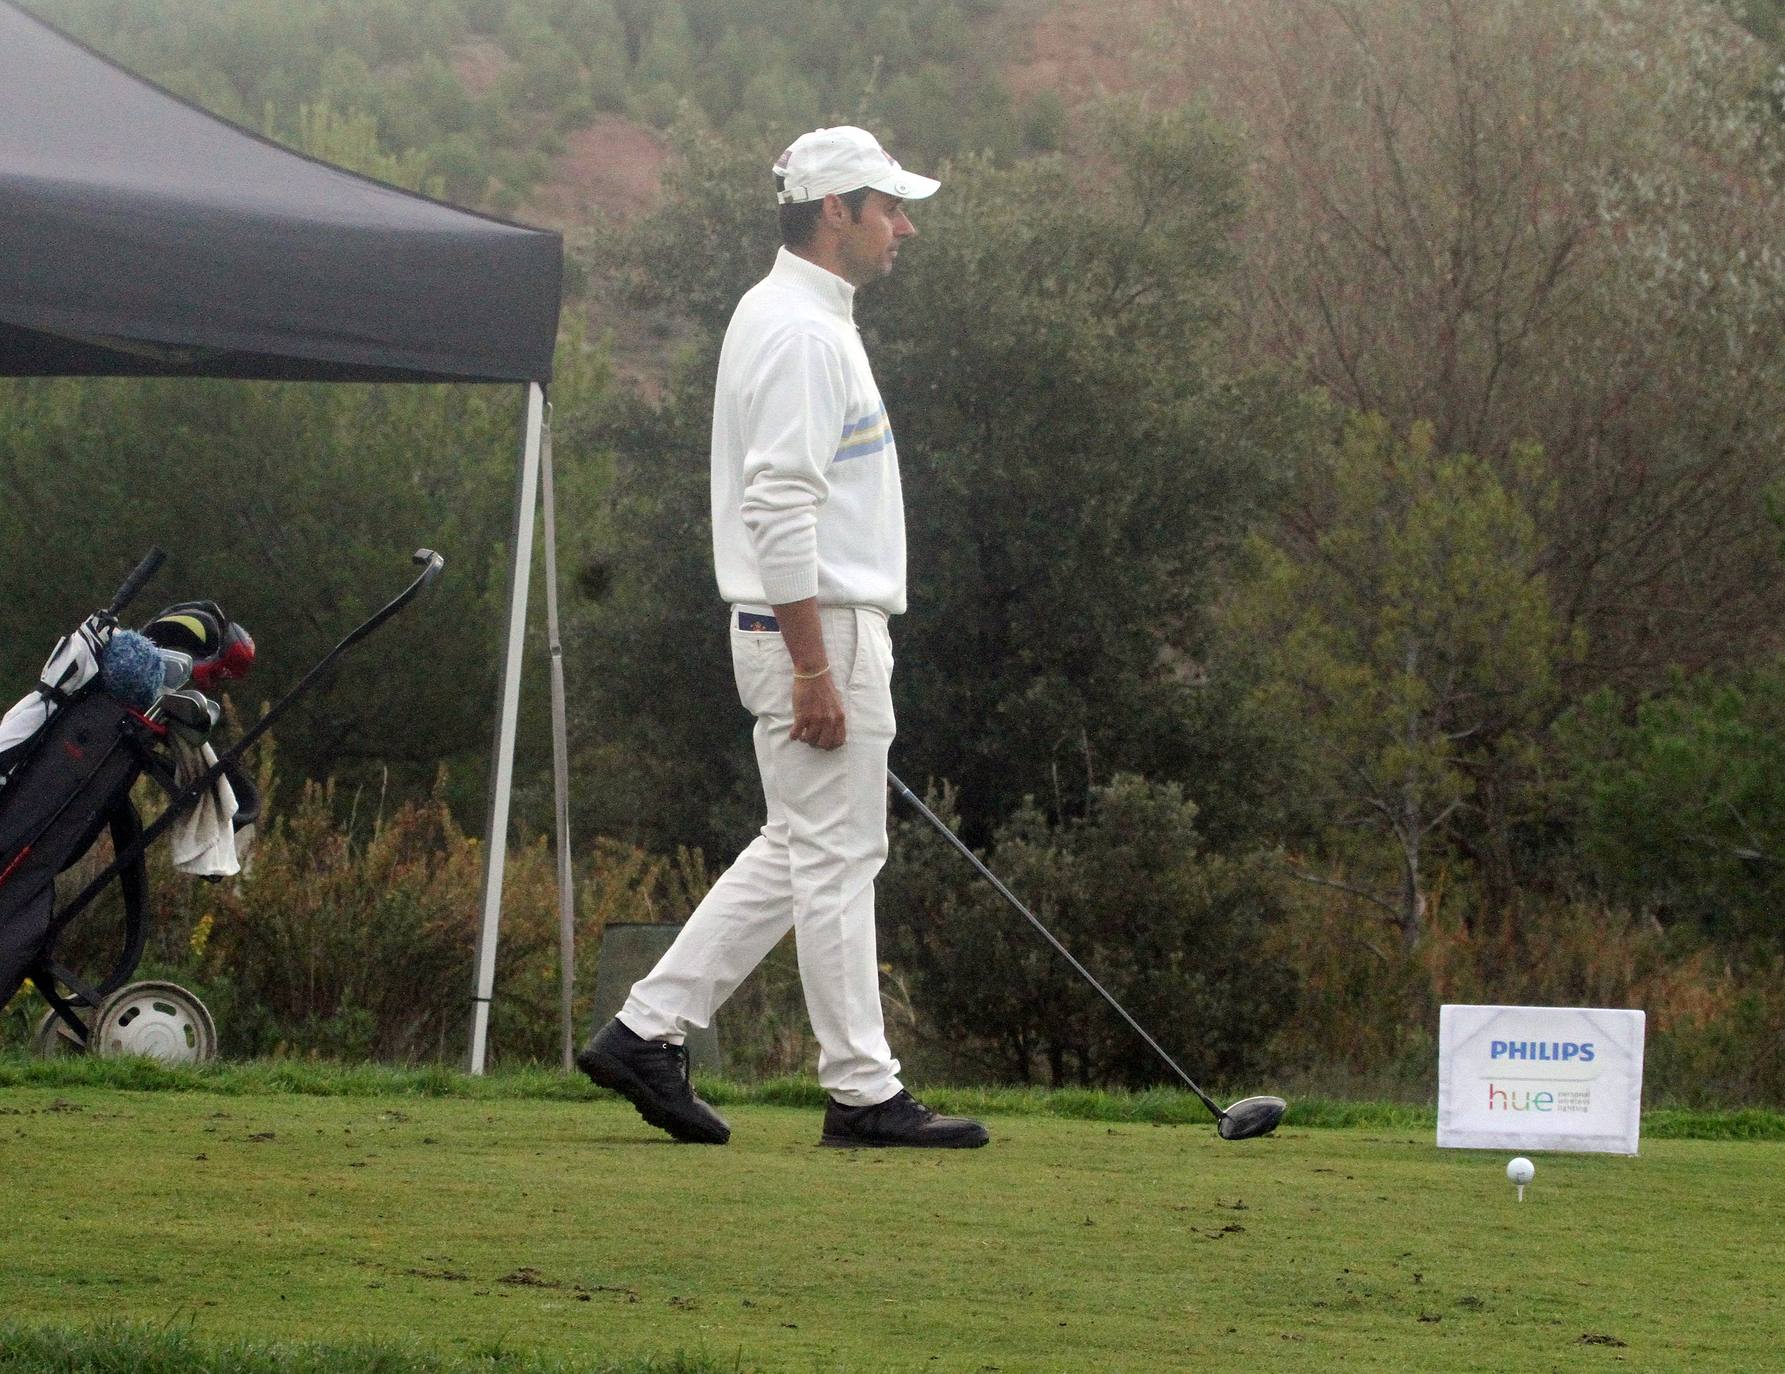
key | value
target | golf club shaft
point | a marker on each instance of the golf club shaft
(1048, 935)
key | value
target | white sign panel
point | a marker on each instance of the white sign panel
(1539, 1078)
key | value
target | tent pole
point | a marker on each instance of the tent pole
(560, 754)
(495, 851)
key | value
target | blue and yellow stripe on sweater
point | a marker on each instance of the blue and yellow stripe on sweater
(867, 436)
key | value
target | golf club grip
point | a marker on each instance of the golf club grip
(138, 579)
(1048, 935)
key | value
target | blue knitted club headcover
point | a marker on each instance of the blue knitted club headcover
(131, 669)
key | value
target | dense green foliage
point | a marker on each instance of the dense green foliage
(1544, 238)
(1682, 802)
(1406, 650)
(482, 91)
(1176, 935)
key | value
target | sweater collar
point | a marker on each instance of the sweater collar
(830, 290)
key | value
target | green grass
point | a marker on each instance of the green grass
(123, 1347)
(434, 1224)
(1160, 1106)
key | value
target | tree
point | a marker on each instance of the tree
(947, 111)
(1171, 931)
(1680, 803)
(351, 141)
(1404, 639)
(669, 54)
(774, 104)
(1765, 19)
(1544, 220)
(597, 36)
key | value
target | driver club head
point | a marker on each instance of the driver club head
(1252, 1116)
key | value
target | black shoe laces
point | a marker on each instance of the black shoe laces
(679, 1057)
(904, 1107)
(922, 1111)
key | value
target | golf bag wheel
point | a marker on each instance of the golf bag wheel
(53, 1039)
(160, 1020)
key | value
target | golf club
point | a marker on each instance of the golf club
(1249, 1117)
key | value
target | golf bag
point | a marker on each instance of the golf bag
(112, 706)
(74, 750)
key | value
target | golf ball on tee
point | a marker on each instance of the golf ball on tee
(1520, 1171)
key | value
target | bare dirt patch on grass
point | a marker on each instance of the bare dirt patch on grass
(612, 168)
(479, 64)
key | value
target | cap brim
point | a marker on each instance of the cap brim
(907, 185)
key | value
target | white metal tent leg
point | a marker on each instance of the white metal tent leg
(560, 756)
(495, 853)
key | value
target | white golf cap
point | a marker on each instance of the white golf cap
(829, 162)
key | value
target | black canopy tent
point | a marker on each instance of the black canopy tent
(143, 236)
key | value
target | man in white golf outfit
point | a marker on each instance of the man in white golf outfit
(809, 547)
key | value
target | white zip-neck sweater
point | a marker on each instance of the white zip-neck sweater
(806, 496)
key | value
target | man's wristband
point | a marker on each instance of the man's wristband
(808, 677)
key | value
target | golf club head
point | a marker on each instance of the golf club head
(192, 714)
(1252, 1116)
(176, 669)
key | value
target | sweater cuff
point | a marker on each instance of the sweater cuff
(796, 584)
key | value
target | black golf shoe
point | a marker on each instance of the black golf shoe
(900, 1120)
(653, 1076)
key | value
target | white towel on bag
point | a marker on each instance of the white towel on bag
(204, 839)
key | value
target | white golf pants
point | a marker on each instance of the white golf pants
(811, 869)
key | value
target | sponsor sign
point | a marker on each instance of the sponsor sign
(1539, 1078)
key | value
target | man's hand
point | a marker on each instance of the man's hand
(817, 699)
(817, 712)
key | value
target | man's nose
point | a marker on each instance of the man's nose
(903, 227)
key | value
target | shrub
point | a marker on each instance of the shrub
(1365, 1023)
(363, 947)
(1680, 799)
(1175, 934)
(352, 934)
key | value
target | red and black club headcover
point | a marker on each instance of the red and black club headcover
(221, 650)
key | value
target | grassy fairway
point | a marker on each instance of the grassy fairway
(571, 1228)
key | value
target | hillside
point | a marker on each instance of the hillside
(1077, 50)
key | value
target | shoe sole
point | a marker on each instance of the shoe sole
(610, 1073)
(848, 1142)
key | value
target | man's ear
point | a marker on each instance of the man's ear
(834, 212)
